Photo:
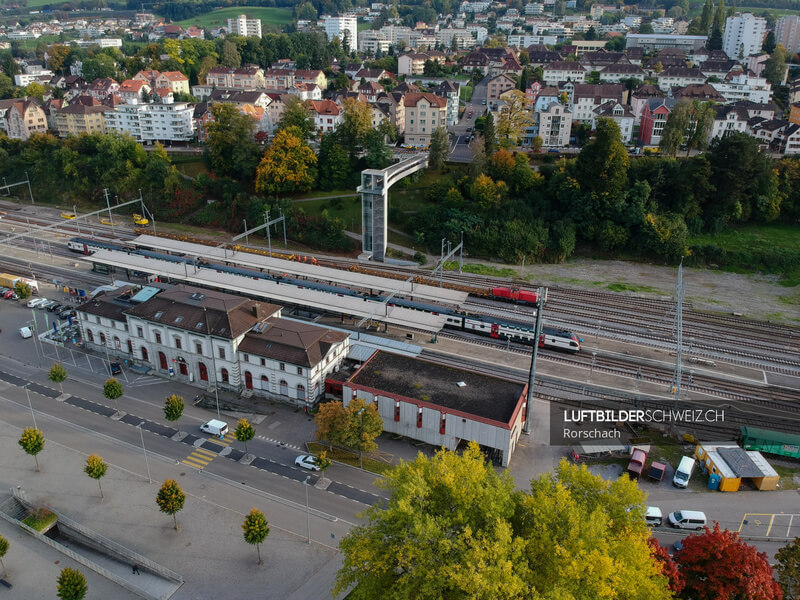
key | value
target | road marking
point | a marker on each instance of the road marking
(789, 528)
(199, 458)
(771, 521)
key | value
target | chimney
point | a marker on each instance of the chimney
(257, 310)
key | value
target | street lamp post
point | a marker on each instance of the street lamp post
(147, 464)
(213, 359)
(308, 515)
(27, 393)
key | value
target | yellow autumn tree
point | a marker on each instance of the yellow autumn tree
(289, 165)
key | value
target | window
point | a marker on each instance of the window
(225, 377)
(90, 335)
(221, 352)
(299, 370)
(178, 344)
(282, 366)
(158, 338)
(263, 362)
(245, 358)
(103, 338)
(198, 347)
(139, 332)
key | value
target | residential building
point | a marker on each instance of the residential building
(621, 72)
(654, 117)
(462, 37)
(103, 88)
(132, 90)
(344, 27)
(555, 125)
(498, 85)
(640, 97)
(424, 112)
(311, 76)
(743, 85)
(40, 76)
(652, 42)
(174, 80)
(744, 35)
(79, 118)
(449, 89)
(244, 26)
(279, 79)
(754, 109)
(374, 75)
(791, 139)
(371, 42)
(679, 77)
(240, 97)
(210, 338)
(621, 114)
(149, 123)
(556, 72)
(22, 117)
(585, 97)
(728, 119)
(306, 91)
(787, 33)
(244, 78)
(370, 90)
(395, 106)
(698, 91)
(327, 115)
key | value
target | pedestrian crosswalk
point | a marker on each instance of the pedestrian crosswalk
(199, 458)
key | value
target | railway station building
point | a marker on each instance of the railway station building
(440, 405)
(209, 338)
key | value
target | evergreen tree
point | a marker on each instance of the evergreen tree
(769, 43)
(707, 17)
(720, 16)
(715, 40)
(489, 135)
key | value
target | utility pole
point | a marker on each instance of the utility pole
(541, 298)
(679, 334)
(108, 205)
(28, 179)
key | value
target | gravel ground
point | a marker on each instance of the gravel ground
(757, 296)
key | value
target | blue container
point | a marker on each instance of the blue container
(713, 481)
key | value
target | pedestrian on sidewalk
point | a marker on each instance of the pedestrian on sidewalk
(136, 570)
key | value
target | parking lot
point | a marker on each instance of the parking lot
(774, 525)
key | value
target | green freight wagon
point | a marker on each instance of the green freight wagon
(771, 442)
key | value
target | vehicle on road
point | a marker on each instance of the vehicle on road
(215, 428)
(687, 519)
(115, 368)
(34, 302)
(684, 472)
(10, 295)
(25, 332)
(306, 461)
(66, 314)
(54, 307)
(46, 304)
(554, 151)
(653, 516)
(483, 102)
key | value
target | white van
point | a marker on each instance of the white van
(684, 472)
(215, 428)
(687, 519)
(653, 516)
(25, 332)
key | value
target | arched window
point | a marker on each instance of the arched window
(102, 338)
(248, 380)
(224, 374)
(162, 360)
(203, 372)
(183, 368)
(284, 388)
(145, 357)
(301, 392)
(90, 335)
(264, 382)
(130, 347)
(117, 343)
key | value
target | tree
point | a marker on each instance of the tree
(4, 545)
(489, 135)
(787, 569)
(478, 153)
(58, 374)
(22, 290)
(230, 55)
(244, 432)
(514, 118)
(289, 165)
(256, 530)
(112, 390)
(720, 16)
(775, 66)
(536, 144)
(102, 66)
(296, 114)
(453, 527)
(363, 424)
(440, 148)
(676, 128)
(645, 28)
(96, 469)
(715, 39)
(32, 441)
(334, 164)
(330, 420)
(355, 126)
(668, 567)
(231, 149)
(717, 564)
(602, 165)
(769, 43)
(72, 585)
(173, 409)
(170, 499)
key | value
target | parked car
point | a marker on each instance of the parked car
(25, 332)
(657, 470)
(54, 307)
(10, 295)
(34, 302)
(46, 304)
(307, 461)
(67, 314)
(115, 368)
(553, 150)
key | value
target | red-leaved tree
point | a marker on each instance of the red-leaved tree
(717, 565)
(668, 567)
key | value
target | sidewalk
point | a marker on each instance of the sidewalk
(208, 550)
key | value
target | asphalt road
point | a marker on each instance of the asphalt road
(460, 151)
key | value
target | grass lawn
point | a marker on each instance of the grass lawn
(753, 239)
(47, 39)
(192, 169)
(363, 25)
(350, 458)
(347, 209)
(217, 18)
(465, 92)
(40, 520)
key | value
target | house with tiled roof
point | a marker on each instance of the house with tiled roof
(727, 120)
(79, 118)
(103, 88)
(306, 91)
(653, 119)
(620, 72)
(174, 80)
(311, 76)
(499, 85)
(393, 102)
(424, 112)
(640, 97)
(327, 115)
(697, 91)
(132, 90)
(585, 97)
(374, 75)
(370, 90)
(22, 117)
(621, 114)
(680, 77)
